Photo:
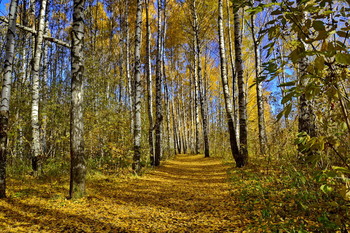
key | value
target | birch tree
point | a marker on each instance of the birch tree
(199, 95)
(306, 117)
(6, 94)
(149, 81)
(127, 64)
(242, 95)
(138, 90)
(36, 89)
(228, 105)
(195, 74)
(78, 167)
(159, 114)
(234, 76)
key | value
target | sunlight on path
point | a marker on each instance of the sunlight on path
(187, 194)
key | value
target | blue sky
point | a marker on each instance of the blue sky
(3, 7)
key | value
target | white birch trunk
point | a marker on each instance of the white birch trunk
(35, 150)
(6, 94)
(242, 95)
(149, 83)
(228, 106)
(138, 90)
(159, 114)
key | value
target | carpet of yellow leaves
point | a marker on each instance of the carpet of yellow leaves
(187, 194)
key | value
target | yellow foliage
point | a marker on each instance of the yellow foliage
(189, 194)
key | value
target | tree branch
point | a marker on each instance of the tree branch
(31, 30)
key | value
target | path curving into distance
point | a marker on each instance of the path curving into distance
(186, 194)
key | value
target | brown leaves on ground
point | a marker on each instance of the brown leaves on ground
(188, 194)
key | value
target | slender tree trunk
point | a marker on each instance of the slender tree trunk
(259, 92)
(195, 68)
(242, 96)
(228, 106)
(234, 75)
(167, 107)
(203, 103)
(149, 83)
(78, 167)
(198, 74)
(6, 94)
(44, 92)
(175, 134)
(164, 75)
(306, 109)
(127, 65)
(196, 108)
(36, 151)
(204, 107)
(159, 114)
(138, 90)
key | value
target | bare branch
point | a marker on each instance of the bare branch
(31, 30)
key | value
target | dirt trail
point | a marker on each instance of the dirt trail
(187, 194)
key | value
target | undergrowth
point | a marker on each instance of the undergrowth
(285, 197)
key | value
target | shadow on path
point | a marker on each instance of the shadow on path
(187, 194)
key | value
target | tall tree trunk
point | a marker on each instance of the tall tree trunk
(78, 167)
(175, 134)
(127, 65)
(234, 75)
(198, 74)
(36, 151)
(6, 94)
(259, 92)
(167, 110)
(164, 75)
(242, 95)
(159, 114)
(228, 106)
(149, 83)
(195, 73)
(306, 109)
(138, 90)
(203, 104)
(44, 88)
(204, 107)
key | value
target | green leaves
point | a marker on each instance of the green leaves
(326, 188)
(318, 25)
(343, 58)
(287, 84)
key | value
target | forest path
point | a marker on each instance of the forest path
(186, 194)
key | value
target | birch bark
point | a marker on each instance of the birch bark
(35, 149)
(149, 82)
(6, 94)
(78, 167)
(138, 90)
(242, 95)
(228, 105)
